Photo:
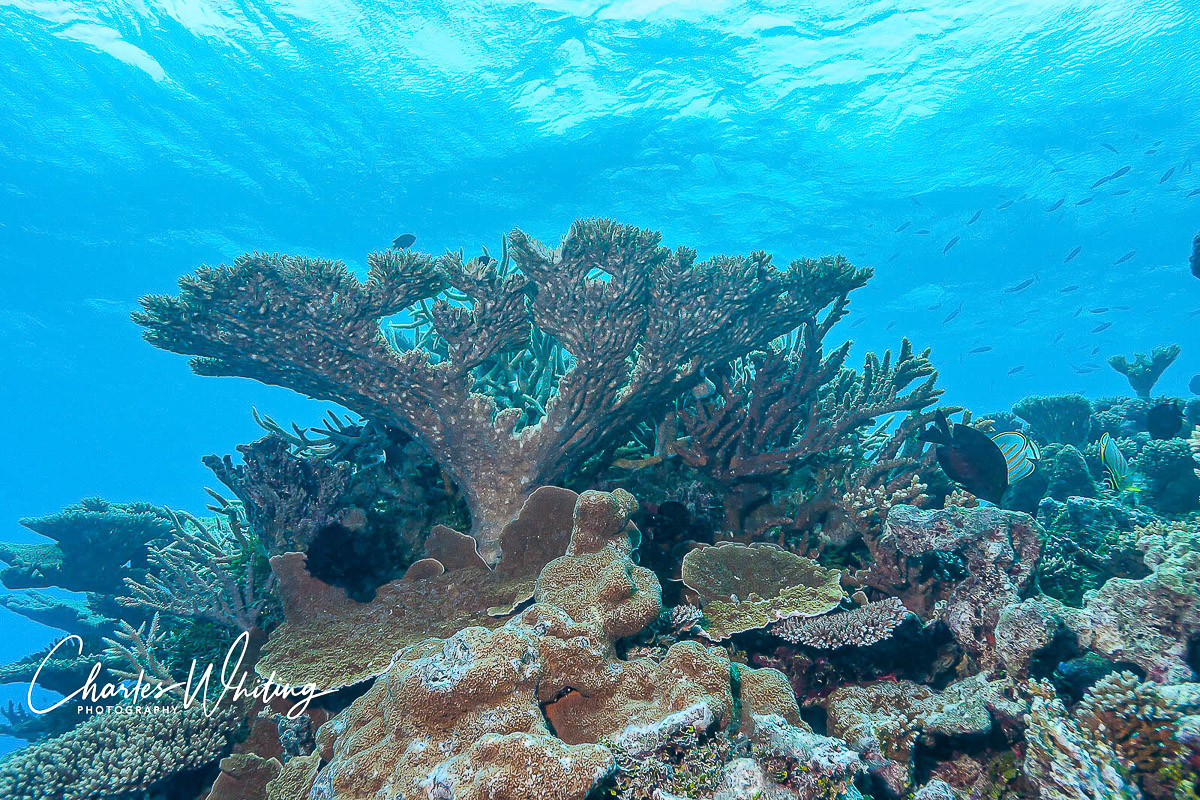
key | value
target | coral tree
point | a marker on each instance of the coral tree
(639, 321)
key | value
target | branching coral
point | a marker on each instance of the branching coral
(639, 320)
(1134, 720)
(860, 627)
(116, 754)
(744, 587)
(777, 410)
(209, 572)
(1144, 372)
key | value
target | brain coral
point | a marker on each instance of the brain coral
(745, 587)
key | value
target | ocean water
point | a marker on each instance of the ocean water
(952, 146)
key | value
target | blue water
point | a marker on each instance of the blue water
(138, 140)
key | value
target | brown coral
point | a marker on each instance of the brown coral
(332, 641)
(639, 320)
(744, 587)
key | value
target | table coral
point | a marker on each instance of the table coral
(638, 336)
(1061, 418)
(860, 627)
(1144, 372)
(745, 587)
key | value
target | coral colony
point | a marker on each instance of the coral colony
(606, 521)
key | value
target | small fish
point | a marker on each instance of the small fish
(1020, 287)
(1095, 350)
(1194, 385)
(1074, 287)
(1114, 463)
(953, 241)
(404, 241)
(1156, 144)
(1103, 326)
(1167, 175)
(1083, 370)
(903, 227)
(1098, 310)
(1187, 166)
(969, 457)
(1084, 201)
(1057, 170)
(975, 218)
(1120, 192)
(952, 314)
(893, 257)
(1110, 148)
(1078, 311)
(1058, 338)
(983, 348)
(1072, 254)
(1125, 257)
(1101, 182)
(1122, 308)
(1016, 369)
(1164, 420)
(1193, 192)
(1057, 205)
(1151, 151)
(1005, 204)
(858, 322)
(1119, 173)
(923, 232)
(890, 325)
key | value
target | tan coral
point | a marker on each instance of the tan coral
(744, 587)
(860, 627)
(334, 641)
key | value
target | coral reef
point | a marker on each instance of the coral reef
(1062, 418)
(638, 337)
(1144, 372)
(745, 587)
(1174, 487)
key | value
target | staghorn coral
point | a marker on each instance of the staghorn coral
(745, 587)
(885, 720)
(113, 754)
(287, 498)
(776, 410)
(1061, 418)
(859, 627)
(94, 542)
(988, 556)
(639, 335)
(1144, 372)
(335, 641)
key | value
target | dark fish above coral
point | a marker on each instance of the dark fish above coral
(969, 457)
(1164, 420)
(404, 241)
(1194, 384)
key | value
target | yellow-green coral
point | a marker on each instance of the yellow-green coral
(746, 587)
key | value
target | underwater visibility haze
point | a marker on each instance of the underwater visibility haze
(631, 400)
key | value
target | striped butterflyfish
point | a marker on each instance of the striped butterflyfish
(1114, 464)
(1020, 454)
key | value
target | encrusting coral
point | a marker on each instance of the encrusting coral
(745, 587)
(1144, 372)
(638, 320)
